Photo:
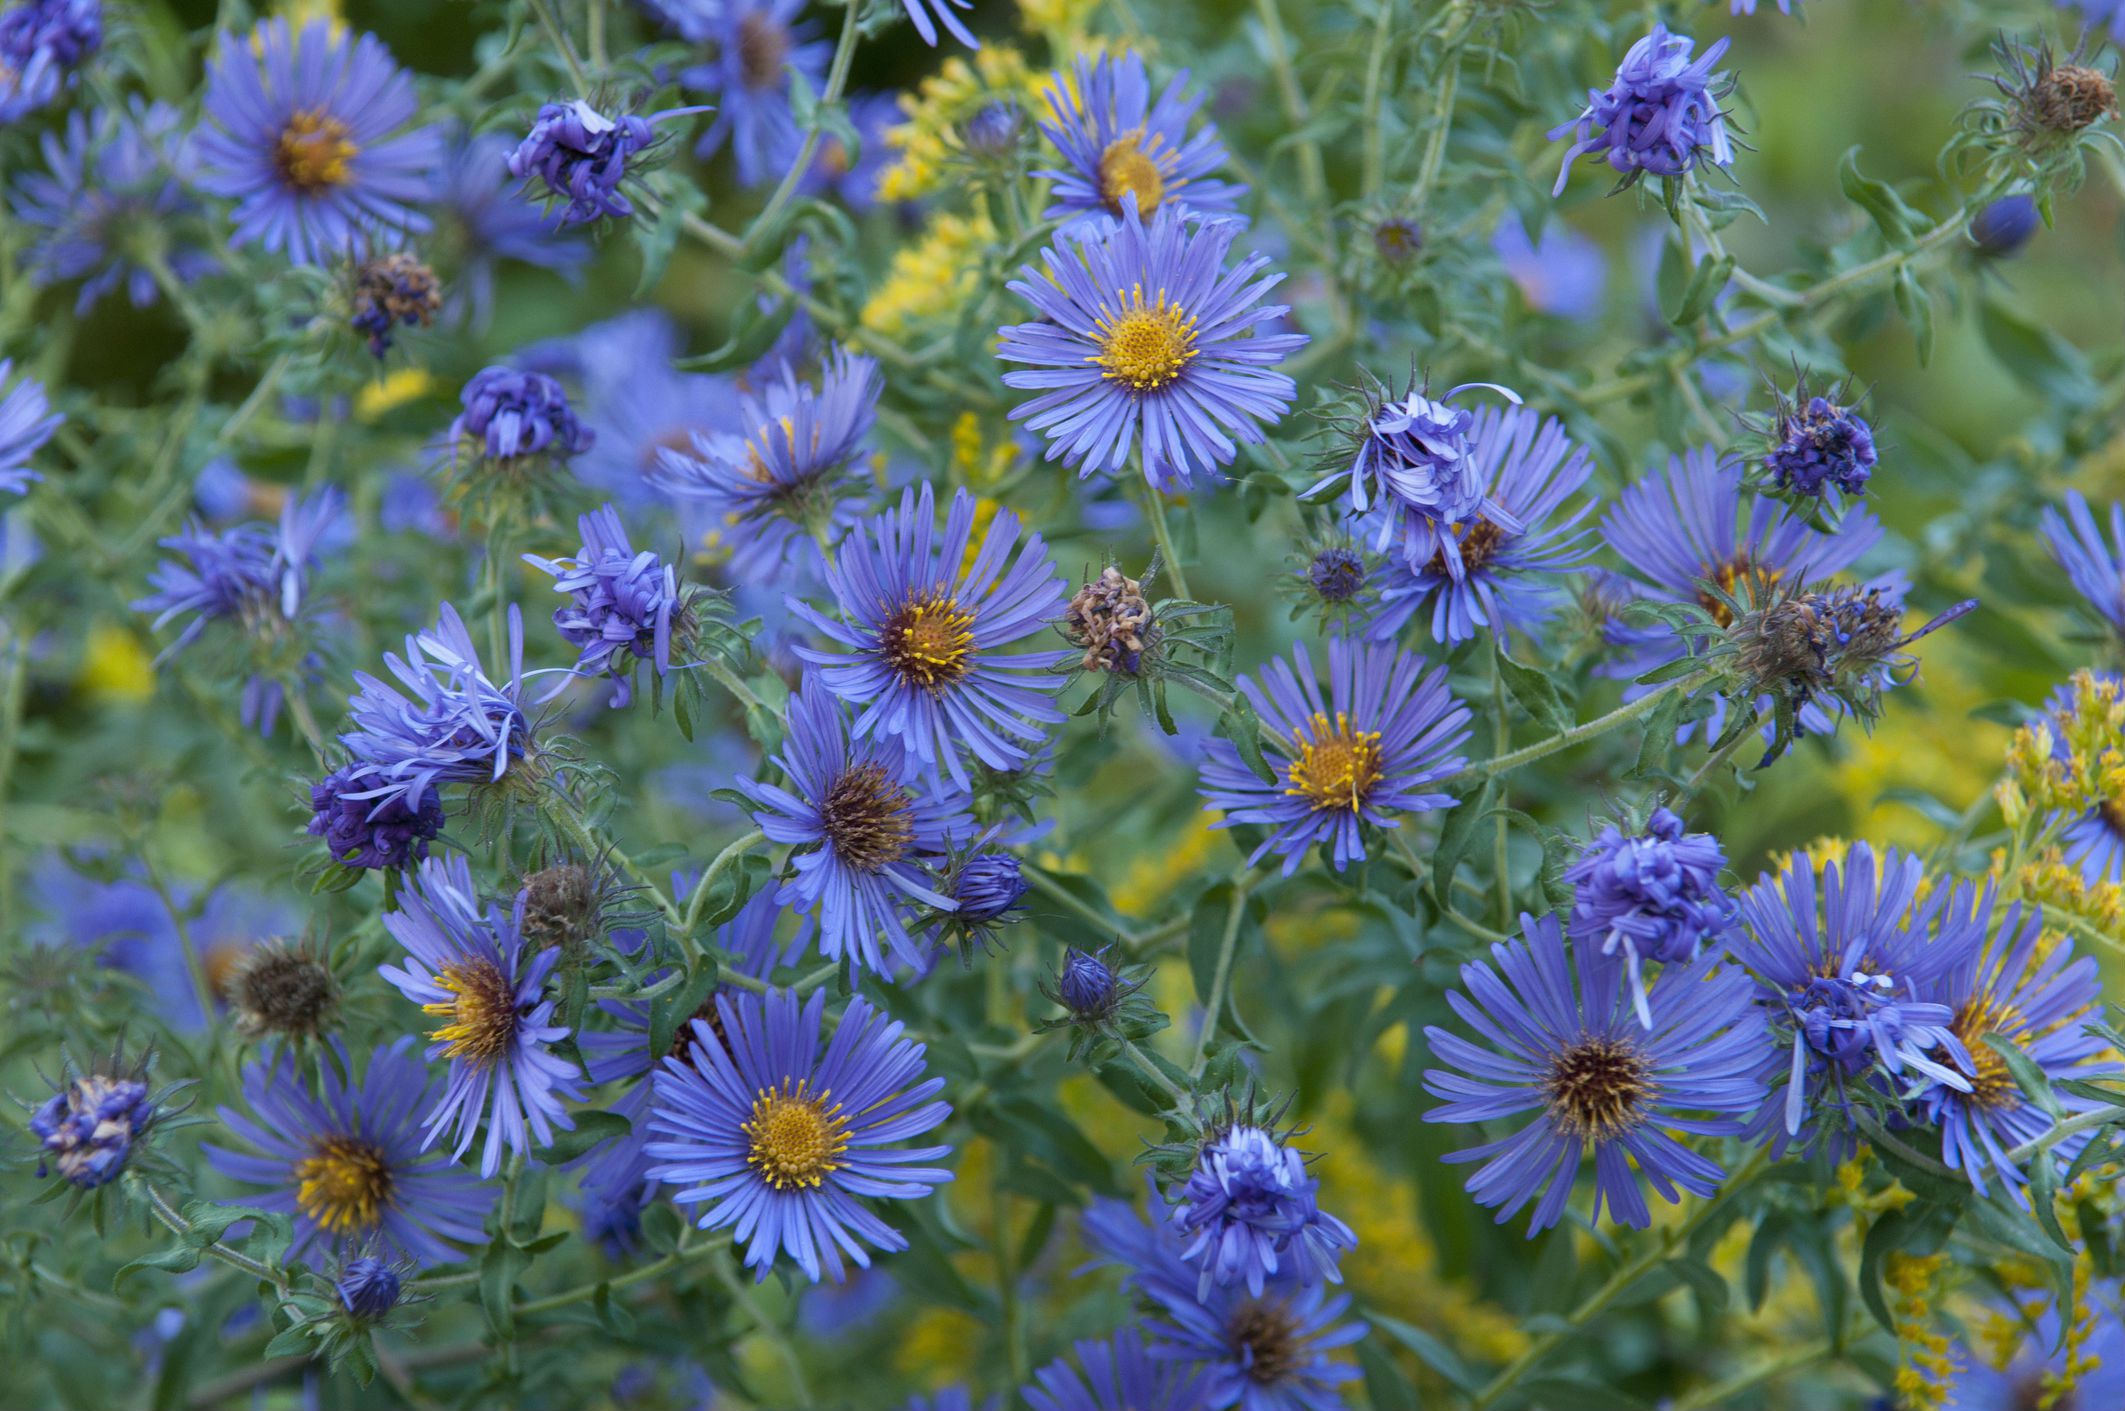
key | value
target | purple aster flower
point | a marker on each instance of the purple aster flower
(1143, 327)
(2094, 568)
(486, 222)
(789, 476)
(1268, 1352)
(581, 156)
(511, 413)
(106, 179)
(1115, 1373)
(782, 1141)
(2048, 1369)
(1819, 446)
(1495, 572)
(758, 46)
(1564, 274)
(367, 1288)
(86, 1130)
(926, 616)
(346, 1161)
(1414, 468)
(253, 575)
(42, 44)
(1845, 979)
(1650, 897)
(1357, 757)
(26, 423)
(927, 15)
(458, 727)
(1122, 151)
(1249, 1213)
(865, 817)
(1660, 116)
(625, 606)
(1567, 1047)
(2006, 225)
(469, 966)
(366, 823)
(300, 134)
(2013, 984)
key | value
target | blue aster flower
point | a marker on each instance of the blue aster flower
(1271, 1352)
(366, 823)
(1358, 756)
(306, 132)
(509, 414)
(1143, 330)
(253, 575)
(926, 617)
(758, 45)
(458, 726)
(783, 1142)
(866, 817)
(107, 179)
(1652, 897)
(582, 159)
(1497, 572)
(345, 1159)
(1661, 116)
(2096, 569)
(1122, 151)
(624, 606)
(1844, 973)
(789, 475)
(87, 1129)
(1250, 1212)
(469, 966)
(2012, 983)
(1566, 1046)
(1117, 1373)
(43, 44)
(26, 423)
(1564, 274)
(488, 222)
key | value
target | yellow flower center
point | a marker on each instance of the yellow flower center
(1335, 768)
(795, 1138)
(344, 1185)
(1992, 1085)
(1145, 345)
(484, 1014)
(1126, 169)
(1739, 579)
(930, 640)
(313, 152)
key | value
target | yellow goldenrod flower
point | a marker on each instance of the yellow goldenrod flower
(923, 145)
(394, 389)
(931, 277)
(115, 666)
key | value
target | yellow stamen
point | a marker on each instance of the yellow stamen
(796, 1138)
(1145, 345)
(1336, 768)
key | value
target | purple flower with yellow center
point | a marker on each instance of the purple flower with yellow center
(789, 475)
(346, 1160)
(1660, 117)
(1352, 758)
(865, 818)
(1123, 151)
(26, 423)
(2010, 983)
(509, 414)
(926, 616)
(1844, 956)
(468, 965)
(107, 179)
(1249, 1213)
(305, 133)
(1650, 898)
(625, 606)
(758, 46)
(2095, 568)
(1142, 330)
(42, 46)
(86, 1130)
(1498, 565)
(452, 724)
(1566, 1047)
(1117, 1373)
(783, 1142)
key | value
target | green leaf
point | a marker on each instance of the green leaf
(2035, 355)
(1707, 281)
(499, 1268)
(1243, 727)
(753, 332)
(292, 1342)
(1892, 217)
(1385, 1386)
(657, 239)
(1916, 305)
(1429, 1350)
(590, 1128)
(1455, 836)
(1537, 695)
(179, 1260)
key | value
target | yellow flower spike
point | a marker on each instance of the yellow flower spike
(923, 145)
(115, 666)
(391, 391)
(931, 277)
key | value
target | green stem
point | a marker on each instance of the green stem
(178, 1225)
(1155, 511)
(1045, 883)
(583, 1293)
(559, 36)
(1501, 736)
(1220, 977)
(1375, 69)
(1718, 758)
(1313, 178)
(1442, 112)
(1156, 1074)
(837, 78)
(716, 868)
(1622, 715)
(1418, 871)
(194, 964)
(745, 1299)
(1722, 1393)
(2060, 1131)
(735, 684)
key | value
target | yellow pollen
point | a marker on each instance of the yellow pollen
(1127, 169)
(796, 1138)
(313, 152)
(344, 1185)
(1993, 1084)
(1740, 579)
(930, 640)
(1336, 768)
(1145, 345)
(483, 1016)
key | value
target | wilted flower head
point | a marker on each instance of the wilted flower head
(625, 606)
(368, 1287)
(581, 156)
(282, 990)
(390, 291)
(1249, 1213)
(366, 823)
(86, 1130)
(1397, 239)
(1661, 116)
(26, 423)
(1652, 896)
(1110, 619)
(1819, 444)
(509, 414)
(2048, 101)
(42, 43)
(253, 575)
(1336, 573)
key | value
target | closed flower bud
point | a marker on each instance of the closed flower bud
(989, 888)
(2004, 226)
(87, 1130)
(368, 1288)
(562, 905)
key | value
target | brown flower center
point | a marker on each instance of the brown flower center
(1266, 1338)
(930, 640)
(1597, 1088)
(483, 1016)
(1992, 1085)
(1479, 539)
(1740, 579)
(866, 818)
(763, 50)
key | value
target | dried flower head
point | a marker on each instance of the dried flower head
(284, 990)
(393, 291)
(1110, 619)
